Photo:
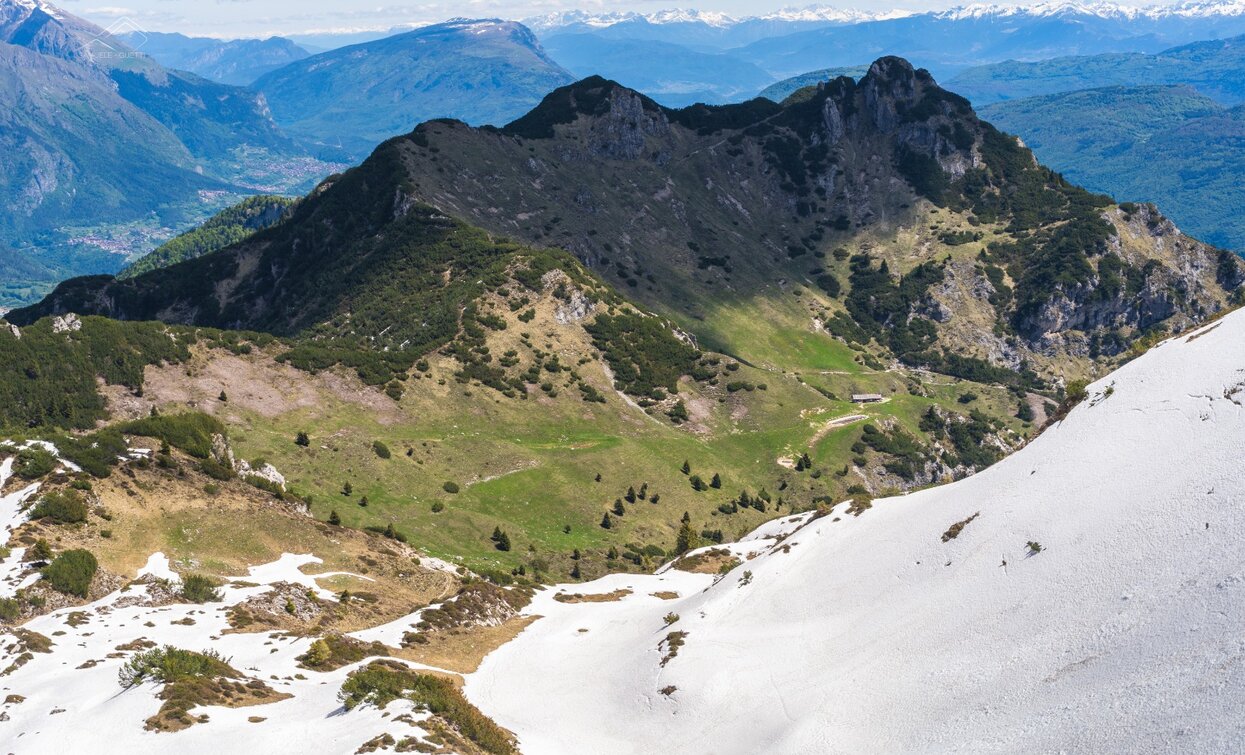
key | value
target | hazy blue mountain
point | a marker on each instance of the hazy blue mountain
(481, 72)
(95, 136)
(1167, 144)
(672, 74)
(783, 89)
(239, 61)
(1216, 68)
(698, 30)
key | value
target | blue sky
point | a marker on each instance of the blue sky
(225, 18)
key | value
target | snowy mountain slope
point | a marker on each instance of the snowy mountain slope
(872, 634)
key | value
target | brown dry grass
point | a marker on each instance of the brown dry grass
(712, 561)
(223, 534)
(463, 650)
(601, 597)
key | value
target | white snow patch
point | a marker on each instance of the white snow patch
(870, 634)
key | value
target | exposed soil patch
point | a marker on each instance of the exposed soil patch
(605, 597)
(712, 561)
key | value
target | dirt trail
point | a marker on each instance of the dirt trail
(833, 424)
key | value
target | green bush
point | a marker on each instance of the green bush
(71, 572)
(450, 487)
(66, 507)
(381, 449)
(197, 588)
(10, 609)
(169, 664)
(191, 432)
(382, 682)
(33, 463)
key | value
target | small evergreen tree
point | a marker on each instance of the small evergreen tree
(575, 556)
(618, 507)
(643, 491)
(347, 489)
(503, 542)
(716, 482)
(698, 484)
(687, 517)
(687, 468)
(656, 497)
(598, 478)
(222, 397)
(1024, 412)
(363, 502)
(630, 494)
(334, 519)
(612, 554)
(302, 439)
(575, 574)
(686, 539)
(605, 521)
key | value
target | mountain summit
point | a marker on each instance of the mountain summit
(883, 212)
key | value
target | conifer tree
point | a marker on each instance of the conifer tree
(618, 507)
(630, 494)
(716, 482)
(334, 519)
(605, 521)
(687, 468)
(686, 540)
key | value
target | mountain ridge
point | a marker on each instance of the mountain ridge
(1056, 273)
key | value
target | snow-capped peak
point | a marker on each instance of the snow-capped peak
(1107, 10)
(808, 14)
(831, 14)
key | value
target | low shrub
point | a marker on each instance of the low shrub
(66, 507)
(198, 588)
(381, 682)
(71, 572)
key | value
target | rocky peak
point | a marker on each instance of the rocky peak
(619, 120)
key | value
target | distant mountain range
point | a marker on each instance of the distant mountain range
(93, 132)
(1215, 68)
(798, 41)
(1167, 144)
(348, 100)
(672, 74)
(239, 61)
